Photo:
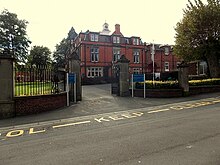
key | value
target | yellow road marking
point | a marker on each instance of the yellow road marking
(31, 131)
(160, 110)
(216, 101)
(70, 124)
(138, 113)
(178, 107)
(115, 117)
(15, 133)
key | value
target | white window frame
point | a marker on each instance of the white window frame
(136, 41)
(116, 39)
(136, 70)
(94, 37)
(136, 55)
(93, 72)
(166, 67)
(94, 54)
(202, 67)
(116, 54)
(166, 51)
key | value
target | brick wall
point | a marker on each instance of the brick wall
(168, 93)
(204, 89)
(36, 104)
(158, 93)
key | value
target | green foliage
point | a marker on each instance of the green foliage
(64, 48)
(198, 34)
(60, 54)
(175, 84)
(158, 85)
(39, 56)
(13, 37)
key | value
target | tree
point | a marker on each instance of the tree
(60, 53)
(198, 34)
(63, 48)
(13, 36)
(39, 56)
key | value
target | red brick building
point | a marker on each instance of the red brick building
(98, 51)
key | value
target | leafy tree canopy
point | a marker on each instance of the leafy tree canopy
(63, 48)
(198, 34)
(60, 53)
(13, 36)
(40, 56)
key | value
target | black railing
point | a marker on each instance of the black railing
(38, 80)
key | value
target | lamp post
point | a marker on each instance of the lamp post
(152, 58)
(162, 53)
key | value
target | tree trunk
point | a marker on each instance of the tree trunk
(214, 66)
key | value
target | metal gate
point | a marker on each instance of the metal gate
(38, 80)
(115, 86)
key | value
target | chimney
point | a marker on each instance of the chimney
(117, 29)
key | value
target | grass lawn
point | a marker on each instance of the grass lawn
(33, 88)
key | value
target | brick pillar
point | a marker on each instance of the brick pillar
(183, 78)
(123, 64)
(6, 87)
(74, 67)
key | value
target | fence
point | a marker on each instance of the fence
(38, 80)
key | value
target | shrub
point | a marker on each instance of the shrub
(174, 84)
(214, 81)
(157, 85)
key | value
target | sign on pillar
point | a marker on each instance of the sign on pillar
(138, 78)
(71, 80)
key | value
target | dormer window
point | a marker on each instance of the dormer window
(166, 51)
(127, 41)
(94, 37)
(116, 39)
(135, 41)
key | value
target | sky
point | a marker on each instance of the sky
(51, 20)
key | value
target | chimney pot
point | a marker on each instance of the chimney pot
(117, 28)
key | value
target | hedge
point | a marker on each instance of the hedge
(175, 84)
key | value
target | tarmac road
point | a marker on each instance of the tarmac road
(97, 99)
(185, 132)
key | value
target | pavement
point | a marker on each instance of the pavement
(97, 99)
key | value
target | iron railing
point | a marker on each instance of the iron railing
(38, 80)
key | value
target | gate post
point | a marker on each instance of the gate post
(6, 86)
(115, 88)
(183, 78)
(123, 63)
(74, 67)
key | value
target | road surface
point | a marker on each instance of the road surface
(186, 133)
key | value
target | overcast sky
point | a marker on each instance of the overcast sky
(50, 20)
